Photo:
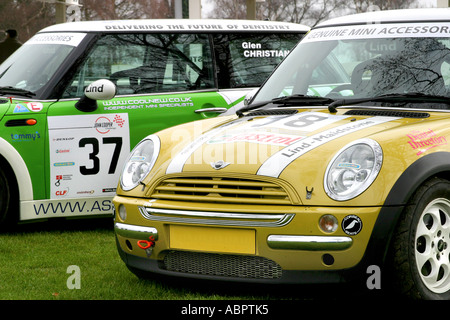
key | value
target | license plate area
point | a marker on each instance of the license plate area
(223, 240)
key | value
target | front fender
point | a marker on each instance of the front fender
(435, 164)
(20, 169)
(417, 173)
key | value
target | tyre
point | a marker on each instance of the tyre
(8, 202)
(421, 244)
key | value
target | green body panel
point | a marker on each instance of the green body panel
(33, 144)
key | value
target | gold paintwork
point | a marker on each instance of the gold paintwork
(285, 194)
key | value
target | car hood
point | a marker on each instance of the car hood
(295, 148)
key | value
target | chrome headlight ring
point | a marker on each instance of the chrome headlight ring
(140, 162)
(353, 169)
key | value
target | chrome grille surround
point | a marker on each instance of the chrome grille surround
(217, 218)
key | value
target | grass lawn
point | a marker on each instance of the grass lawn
(35, 264)
(36, 260)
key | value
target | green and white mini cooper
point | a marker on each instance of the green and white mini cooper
(77, 97)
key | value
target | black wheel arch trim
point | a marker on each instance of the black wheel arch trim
(417, 173)
(432, 165)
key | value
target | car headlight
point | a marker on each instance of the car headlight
(140, 162)
(353, 169)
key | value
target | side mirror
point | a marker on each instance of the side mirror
(102, 89)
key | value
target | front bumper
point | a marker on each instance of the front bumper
(287, 249)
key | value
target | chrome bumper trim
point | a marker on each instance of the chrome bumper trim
(217, 218)
(135, 232)
(311, 243)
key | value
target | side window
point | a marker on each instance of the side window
(246, 60)
(147, 63)
(445, 67)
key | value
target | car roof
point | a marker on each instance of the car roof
(391, 16)
(174, 25)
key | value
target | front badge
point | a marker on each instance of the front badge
(219, 164)
(352, 225)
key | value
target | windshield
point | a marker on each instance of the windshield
(33, 64)
(365, 61)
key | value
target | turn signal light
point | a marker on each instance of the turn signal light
(328, 223)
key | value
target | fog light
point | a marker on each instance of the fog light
(122, 212)
(328, 223)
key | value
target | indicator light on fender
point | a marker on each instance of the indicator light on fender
(20, 122)
(328, 223)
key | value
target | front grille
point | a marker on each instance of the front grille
(223, 190)
(222, 265)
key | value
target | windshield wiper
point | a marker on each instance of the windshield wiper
(392, 97)
(288, 101)
(18, 91)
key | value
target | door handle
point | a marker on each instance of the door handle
(208, 110)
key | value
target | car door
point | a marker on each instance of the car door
(162, 80)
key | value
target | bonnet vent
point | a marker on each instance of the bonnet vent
(272, 112)
(388, 113)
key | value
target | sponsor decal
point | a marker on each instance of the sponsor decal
(35, 106)
(256, 137)
(86, 147)
(167, 102)
(62, 177)
(64, 164)
(20, 108)
(209, 26)
(352, 225)
(300, 124)
(66, 208)
(280, 160)
(103, 125)
(89, 192)
(70, 39)
(24, 137)
(379, 31)
(62, 193)
(423, 141)
(63, 139)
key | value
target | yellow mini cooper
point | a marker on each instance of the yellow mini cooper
(337, 169)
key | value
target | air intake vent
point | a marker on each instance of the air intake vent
(222, 265)
(272, 112)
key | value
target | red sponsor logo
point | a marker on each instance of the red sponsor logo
(423, 141)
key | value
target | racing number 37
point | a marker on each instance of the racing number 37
(93, 156)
